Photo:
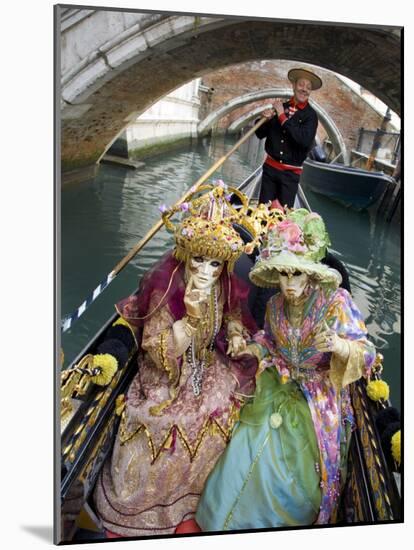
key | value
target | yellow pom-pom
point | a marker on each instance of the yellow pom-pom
(108, 366)
(396, 447)
(377, 390)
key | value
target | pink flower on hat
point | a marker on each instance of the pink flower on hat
(290, 232)
(297, 247)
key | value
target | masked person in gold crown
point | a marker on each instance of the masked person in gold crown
(190, 318)
(286, 462)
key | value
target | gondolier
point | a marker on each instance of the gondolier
(290, 133)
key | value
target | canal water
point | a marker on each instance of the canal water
(102, 219)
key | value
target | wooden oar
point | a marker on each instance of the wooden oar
(68, 321)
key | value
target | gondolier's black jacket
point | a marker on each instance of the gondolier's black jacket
(291, 142)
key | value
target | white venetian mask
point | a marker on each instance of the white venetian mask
(293, 284)
(205, 272)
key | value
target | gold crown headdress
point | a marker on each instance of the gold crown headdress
(208, 226)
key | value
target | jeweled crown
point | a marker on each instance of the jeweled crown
(207, 228)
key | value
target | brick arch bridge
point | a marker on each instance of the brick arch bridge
(117, 64)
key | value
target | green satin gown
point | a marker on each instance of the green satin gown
(269, 474)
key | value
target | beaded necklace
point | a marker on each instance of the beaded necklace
(197, 364)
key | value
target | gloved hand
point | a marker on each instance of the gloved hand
(327, 340)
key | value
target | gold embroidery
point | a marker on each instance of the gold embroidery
(173, 373)
(163, 353)
(202, 339)
(156, 410)
(211, 425)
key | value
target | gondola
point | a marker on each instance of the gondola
(90, 416)
(352, 187)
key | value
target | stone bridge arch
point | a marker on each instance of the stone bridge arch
(115, 64)
(284, 93)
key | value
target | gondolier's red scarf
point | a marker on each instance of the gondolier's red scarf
(291, 110)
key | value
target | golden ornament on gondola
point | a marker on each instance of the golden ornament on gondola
(107, 365)
(396, 447)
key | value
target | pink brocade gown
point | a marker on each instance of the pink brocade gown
(161, 458)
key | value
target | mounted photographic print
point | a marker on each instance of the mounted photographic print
(228, 301)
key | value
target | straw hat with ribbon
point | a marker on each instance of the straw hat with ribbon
(296, 241)
(296, 74)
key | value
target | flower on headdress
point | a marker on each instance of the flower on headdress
(315, 235)
(297, 247)
(234, 246)
(220, 183)
(290, 231)
(291, 235)
(163, 208)
(184, 206)
(299, 216)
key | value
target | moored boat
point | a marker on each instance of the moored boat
(353, 187)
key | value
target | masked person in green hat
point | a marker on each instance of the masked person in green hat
(286, 462)
(290, 133)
